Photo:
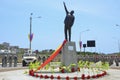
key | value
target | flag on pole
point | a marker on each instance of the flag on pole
(80, 44)
(30, 36)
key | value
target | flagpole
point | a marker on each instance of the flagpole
(30, 28)
(80, 43)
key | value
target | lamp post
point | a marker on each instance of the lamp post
(80, 43)
(118, 43)
(118, 40)
(30, 30)
(118, 25)
(31, 34)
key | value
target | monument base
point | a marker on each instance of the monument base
(69, 55)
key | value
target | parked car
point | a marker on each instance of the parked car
(28, 57)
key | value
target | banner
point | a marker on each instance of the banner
(30, 36)
(80, 43)
(54, 54)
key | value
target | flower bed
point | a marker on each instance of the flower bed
(85, 70)
(65, 76)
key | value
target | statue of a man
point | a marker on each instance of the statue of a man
(68, 22)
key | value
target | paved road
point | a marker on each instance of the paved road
(18, 65)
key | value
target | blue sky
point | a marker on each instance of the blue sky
(100, 16)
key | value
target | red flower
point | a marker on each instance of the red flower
(88, 77)
(105, 72)
(98, 75)
(67, 78)
(63, 71)
(52, 77)
(75, 78)
(41, 76)
(36, 75)
(58, 77)
(102, 74)
(73, 70)
(83, 76)
(31, 72)
(93, 76)
(46, 76)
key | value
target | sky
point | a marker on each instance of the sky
(99, 16)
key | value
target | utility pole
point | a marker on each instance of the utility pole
(80, 43)
(31, 34)
(30, 30)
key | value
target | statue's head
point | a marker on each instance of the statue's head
(72, 12)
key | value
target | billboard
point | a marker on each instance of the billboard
(91, 43)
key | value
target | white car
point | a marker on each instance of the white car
(28, 58)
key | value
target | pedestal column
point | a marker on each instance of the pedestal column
(69, 55)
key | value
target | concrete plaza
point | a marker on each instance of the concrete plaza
(113, 74)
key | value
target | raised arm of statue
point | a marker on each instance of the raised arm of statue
(65, 8)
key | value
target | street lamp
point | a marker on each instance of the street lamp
(118, 40)
(80, 43)
(118, 43)
(31, 34)
(118, 25)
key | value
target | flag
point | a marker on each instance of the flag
(80, 44)
(30, 36)
(54, 54)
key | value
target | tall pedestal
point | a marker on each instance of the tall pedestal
(69, 55)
